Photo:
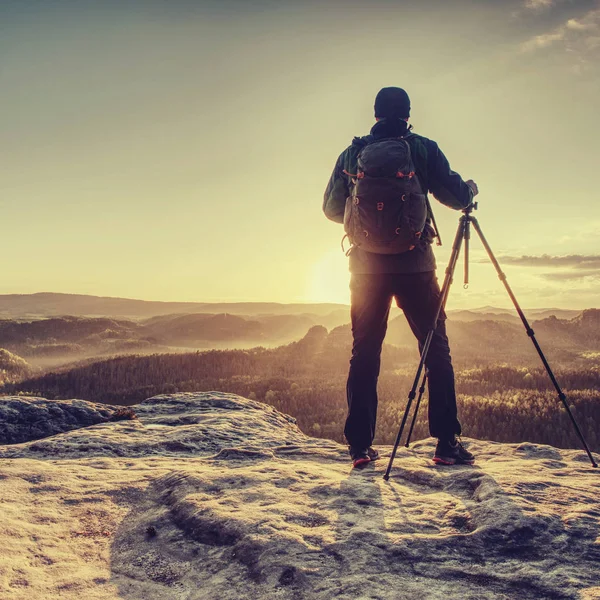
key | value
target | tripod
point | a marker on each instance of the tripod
(464, 234)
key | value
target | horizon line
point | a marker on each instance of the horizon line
(257, 302)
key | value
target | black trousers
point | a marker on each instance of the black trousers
(417, 294)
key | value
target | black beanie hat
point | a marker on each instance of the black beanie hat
(392, 102)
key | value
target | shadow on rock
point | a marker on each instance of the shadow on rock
(298, 523)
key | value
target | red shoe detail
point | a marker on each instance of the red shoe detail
(361, 462)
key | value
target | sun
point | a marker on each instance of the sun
(329, 279)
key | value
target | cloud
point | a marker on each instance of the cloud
(573, 267)
(579, 35)
(538, 4)
(575, 261)
(542, 41)
(571, 275)
(576, 25)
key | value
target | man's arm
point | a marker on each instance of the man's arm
(446, 185)
(336, 192)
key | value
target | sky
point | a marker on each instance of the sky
(179, 150)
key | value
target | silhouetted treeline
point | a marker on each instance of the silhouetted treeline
(306, 379)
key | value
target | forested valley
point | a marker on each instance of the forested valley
(505, 401)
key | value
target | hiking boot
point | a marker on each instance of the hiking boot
(360, 457)
(373, 454)
(452, 452)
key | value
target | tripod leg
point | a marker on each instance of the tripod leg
(531, 335)
(442, 302)
(414, 419)
(467, 244)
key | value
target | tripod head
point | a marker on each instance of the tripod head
(469, 209)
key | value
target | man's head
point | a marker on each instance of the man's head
(392, 103)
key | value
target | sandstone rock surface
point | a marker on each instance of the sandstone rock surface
(212, 496)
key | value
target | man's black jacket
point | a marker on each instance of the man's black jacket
(435, 176)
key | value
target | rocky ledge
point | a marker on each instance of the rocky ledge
(210, 495)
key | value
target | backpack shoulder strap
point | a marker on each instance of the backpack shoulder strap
(361, 142)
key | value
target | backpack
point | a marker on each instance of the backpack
(387, 209)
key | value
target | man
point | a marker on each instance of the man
(409, 278)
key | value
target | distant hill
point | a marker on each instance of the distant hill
(49, 304)
(490, 313)
(474, 337)
(45, 304)
(483, 344)
(503, 340)
(52, 341)
(57, 340)
(474, 315)
(49, 330)
(559, 313)
(202, 329)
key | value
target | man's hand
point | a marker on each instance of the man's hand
(473, 187)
